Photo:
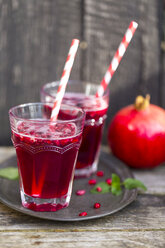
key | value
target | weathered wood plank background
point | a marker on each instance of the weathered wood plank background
(34, 40)
(139, 225)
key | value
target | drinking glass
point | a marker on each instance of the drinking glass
(46, 153)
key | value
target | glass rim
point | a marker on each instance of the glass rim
(54, 83)
(44, 121)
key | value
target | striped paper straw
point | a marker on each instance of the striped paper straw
(117, 58)
(64, 79)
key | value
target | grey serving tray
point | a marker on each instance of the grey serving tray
(10, 196)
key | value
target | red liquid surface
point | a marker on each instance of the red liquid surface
(93, 128)
(46, 158)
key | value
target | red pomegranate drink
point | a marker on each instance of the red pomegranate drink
(83, 95)
(42, 148)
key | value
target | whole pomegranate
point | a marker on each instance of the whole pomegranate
(136, 134)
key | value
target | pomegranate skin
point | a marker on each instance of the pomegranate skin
(138, 137)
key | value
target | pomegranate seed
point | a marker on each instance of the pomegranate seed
(83, 214)
(100, 173)
(99, 189)
(109, 181)
(97, 205)
(80, 192)
(92, 181)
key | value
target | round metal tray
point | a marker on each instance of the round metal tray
(10, 196)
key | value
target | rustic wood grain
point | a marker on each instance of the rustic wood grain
(35, 37)
(34, 41)
(104, 25)
(162, 88)
(6, 152)
(162, 75)
(154, 179)
(80, 239)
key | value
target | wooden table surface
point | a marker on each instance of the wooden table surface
(141, 224)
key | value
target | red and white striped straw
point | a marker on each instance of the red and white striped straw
(117, 58)
(64, 79)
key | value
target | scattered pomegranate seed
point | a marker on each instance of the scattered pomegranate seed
(83, 214)
(109, 181)
(99, 189)
(100, 173)
(97, 205)
(92, 181)
(80, 192)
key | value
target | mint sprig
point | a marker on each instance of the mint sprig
(131, 183)
(10, 173)
(116, 186)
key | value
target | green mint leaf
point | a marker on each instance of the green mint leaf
(116, 189)
(9, 173)
(116, 185)
(103, 185)
(131, 183)
(115, 179)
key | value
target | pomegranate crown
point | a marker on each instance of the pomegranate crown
(141, 103)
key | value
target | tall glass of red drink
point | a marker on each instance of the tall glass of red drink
(82, 94)
(46, 153)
